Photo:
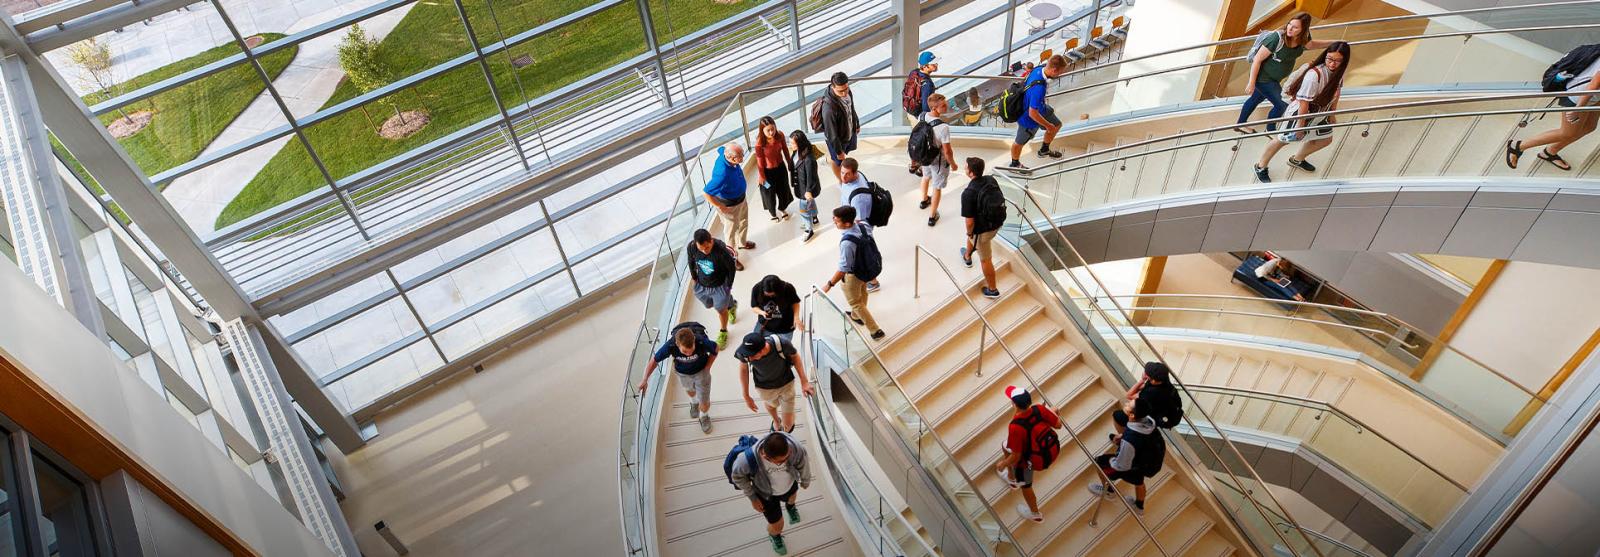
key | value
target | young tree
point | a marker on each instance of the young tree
(358, 56)
(94, 58)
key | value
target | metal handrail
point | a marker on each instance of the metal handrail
(1175, 381)
(1326, 538)
(1033, 173)
(1326, 27)
(1320, 406)
(966, 478)
(1330, 307)
(817, 408)
(854, 80)
(1037, 387)
(1095, 302)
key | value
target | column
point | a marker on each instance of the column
(905, 46)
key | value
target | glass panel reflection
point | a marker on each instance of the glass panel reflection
(64, 508)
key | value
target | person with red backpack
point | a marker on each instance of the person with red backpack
(1031, 444)
(834, 115)
(914, 95)
(1141, 451)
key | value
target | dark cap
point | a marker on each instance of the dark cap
(751, 344)
(1158, 371)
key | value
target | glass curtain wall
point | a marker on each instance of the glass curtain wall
(46, 506)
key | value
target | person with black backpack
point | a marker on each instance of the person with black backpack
(835, 116)
(772, 481)
(1573, 72)
(859, 263)
(983, 205)
(1026, 103)
(692, 354)
(872, 203)
(772, 364)
(929, 146)
(1140, 454)
(914, 95)
(1031, 444)
(1155, 388)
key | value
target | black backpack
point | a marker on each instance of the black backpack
(991, 205)
(1149, 451)
(869, 261)
(1012, 101)
(745, 447)
(882, 204)
(1042, 439)
(1559, 75)
(924, 145)
(699, 330)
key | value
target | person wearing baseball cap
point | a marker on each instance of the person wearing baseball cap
(774, 363)
(922, 77)
(1018, 462)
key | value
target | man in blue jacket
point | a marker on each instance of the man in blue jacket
(726, 192)
(1037, 113)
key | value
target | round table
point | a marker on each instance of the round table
(1044, 11)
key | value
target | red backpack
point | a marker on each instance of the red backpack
(1043, 445)
(911, 94)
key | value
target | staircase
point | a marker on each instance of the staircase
(937, 364)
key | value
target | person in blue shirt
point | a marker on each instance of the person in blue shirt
(1038, 113)
(726, 192)
(927, 64)
(692, 356)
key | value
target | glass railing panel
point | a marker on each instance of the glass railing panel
(901, 416)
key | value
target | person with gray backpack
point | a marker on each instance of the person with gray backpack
(1272, 58)
(770, 471)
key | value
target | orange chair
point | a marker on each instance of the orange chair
(1097, 38)
(1119, 27)
(1043, 56)
(1073, 53)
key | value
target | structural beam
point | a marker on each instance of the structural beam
(904, 47)
(66, 115)
(1458, 318)
(1149, 283)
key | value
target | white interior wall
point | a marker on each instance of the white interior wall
(1532, 320)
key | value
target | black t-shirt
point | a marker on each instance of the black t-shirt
(972, 205)
(773, 370)
(779, 307)
(711, 269)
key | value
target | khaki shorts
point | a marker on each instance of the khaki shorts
(781, 398)
(981, 245)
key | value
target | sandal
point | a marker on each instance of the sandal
(1245, 130)
(1513, 153)
(1554, 160)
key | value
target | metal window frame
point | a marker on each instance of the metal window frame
(28, 515)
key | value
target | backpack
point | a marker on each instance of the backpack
(1149, 451)
(747, 447)
(1559, 74)
(699, 331)
(882, 204)
(1013, 102)
(924, 146)
(1261, 40)
(816, 114)
(991, 206)
(911, 94)
(869, 261)
(1042, 440)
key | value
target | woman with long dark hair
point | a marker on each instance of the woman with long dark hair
(1316, 90)
(772, 157)
(1273, 59)
(807, 185)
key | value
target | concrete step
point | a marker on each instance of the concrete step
(938, 359)
(1126, 536)
(1212, 543)
(950, 317)
(1180, 533)
(734, 529)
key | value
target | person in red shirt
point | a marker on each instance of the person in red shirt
(1017, 464)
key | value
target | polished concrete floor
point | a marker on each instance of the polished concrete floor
(519, 459)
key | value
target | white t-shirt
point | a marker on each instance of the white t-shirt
(779, 475)
(941, 132)
(1311, 85)
(1581, 81)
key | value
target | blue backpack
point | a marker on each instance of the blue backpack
(747, 447)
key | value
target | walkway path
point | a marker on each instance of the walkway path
(306, 84)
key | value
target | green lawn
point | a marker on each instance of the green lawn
(189, 117)
(431, 33)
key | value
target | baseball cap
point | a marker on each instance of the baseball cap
(751, 344)
(926, 58)
(1019, 396)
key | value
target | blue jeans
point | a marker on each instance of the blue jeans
(1270, 91)
(808, 211)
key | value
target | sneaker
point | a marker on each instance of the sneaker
(733, 314)
(777, 545)
(1006, 476)
(814, 220)
(775, 218)
(966, 259)
(1100, 490)
(809, 235)
(1044, 151)
(1028, 513)
(1017, 166)
(784, 215)
(1138, 506)
(705, 423)
(694, 409)
(877, 335)
(873, 286)
(926, 201)
(990, 292)
(722, 339)
(1261, 175)
(933, 219)
(1302, 165)
(794, 513)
